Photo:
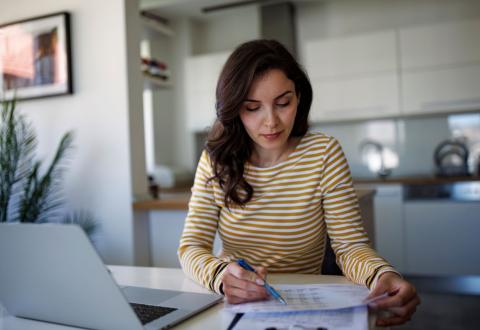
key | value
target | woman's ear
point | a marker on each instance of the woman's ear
(298, 98)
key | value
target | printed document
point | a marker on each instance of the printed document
(355, 318)
(308, 297)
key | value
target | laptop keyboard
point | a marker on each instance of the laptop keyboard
(148, 313)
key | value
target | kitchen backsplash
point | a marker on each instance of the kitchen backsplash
(410, 142)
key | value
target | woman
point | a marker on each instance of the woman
(274, 191)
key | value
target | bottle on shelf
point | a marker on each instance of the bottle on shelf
(153, 188)
(155, 68)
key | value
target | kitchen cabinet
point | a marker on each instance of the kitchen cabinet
(441, 44)
(440, 67)
(202, 73)
(355, 98)
(389, 222)
(350, 56)
(353, 77)
(166, 229)
(410, 70)
(430, 227)
(446, 89)
(442, 237)
(389, 226)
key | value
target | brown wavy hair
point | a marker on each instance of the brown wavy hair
(228, 144)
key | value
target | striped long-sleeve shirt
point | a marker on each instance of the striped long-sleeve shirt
(284, 226)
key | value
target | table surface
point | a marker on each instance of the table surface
(172, 279)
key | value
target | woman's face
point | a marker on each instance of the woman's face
(268, 113)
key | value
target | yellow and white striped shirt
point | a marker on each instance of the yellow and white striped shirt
(284, 226)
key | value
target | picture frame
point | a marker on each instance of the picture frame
(35, 57)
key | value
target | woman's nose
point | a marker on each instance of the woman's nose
(271, 119)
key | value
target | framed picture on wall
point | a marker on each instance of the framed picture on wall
(35, 57)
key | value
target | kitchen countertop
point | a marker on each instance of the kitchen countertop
(413, 180)
(167, 201)
(179, 200)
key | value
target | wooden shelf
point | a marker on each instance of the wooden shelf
(157, 26)
(157, 82)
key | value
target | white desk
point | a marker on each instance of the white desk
(171, 279)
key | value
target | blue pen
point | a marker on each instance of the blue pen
(270, 290)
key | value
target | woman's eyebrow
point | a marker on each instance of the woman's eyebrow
(277, 97)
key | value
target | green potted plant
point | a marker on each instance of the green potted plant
(26, 194)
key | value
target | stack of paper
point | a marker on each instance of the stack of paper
(312, 306)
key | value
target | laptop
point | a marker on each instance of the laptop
(52, 273)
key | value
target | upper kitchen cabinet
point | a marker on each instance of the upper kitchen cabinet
(352, 55)
(443, 89)
(202, 72)
(440, 67)
(355, 98)
(353, 77)
(451, 43)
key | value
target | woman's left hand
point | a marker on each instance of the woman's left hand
(401, 302)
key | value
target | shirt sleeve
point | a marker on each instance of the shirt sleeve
(357, 260)
(195, 249)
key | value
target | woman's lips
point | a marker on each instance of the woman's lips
(271, 137)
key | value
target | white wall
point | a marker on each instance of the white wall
(104, 112)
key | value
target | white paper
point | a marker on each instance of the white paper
(355, 318)
(308, 297)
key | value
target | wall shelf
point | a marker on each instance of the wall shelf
(154, 82)
(157, 26)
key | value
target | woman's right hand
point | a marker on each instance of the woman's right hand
(241, 285)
